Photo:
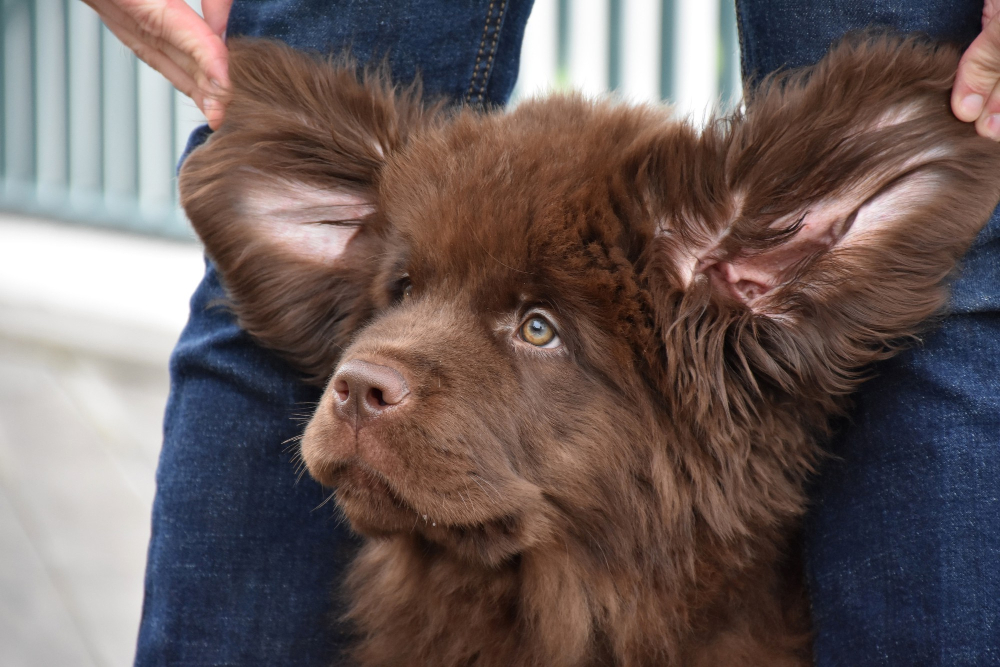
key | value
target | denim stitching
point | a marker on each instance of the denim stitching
(477, 88)
(479, 56)
(493, 51)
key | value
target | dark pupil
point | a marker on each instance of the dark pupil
(538, 327)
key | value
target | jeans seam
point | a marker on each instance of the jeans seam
(476, 93)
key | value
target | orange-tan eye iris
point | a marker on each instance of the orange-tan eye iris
(538, 331)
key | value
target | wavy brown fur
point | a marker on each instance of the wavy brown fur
(630, 498)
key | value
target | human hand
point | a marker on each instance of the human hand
(976, 95)
(172, 39)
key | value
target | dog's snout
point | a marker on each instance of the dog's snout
(365, 390)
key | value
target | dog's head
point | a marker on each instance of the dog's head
(579, 322)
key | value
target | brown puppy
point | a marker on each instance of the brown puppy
(581, 355)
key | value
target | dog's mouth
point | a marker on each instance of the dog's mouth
(376, 508)
(375, 505)
(477, 514)
(369, 500)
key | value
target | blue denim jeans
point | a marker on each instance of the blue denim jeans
(903, 541)
(243, 562)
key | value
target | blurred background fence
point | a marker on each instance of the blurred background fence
(91, 135)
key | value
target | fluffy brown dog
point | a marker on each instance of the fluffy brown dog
(582, 355)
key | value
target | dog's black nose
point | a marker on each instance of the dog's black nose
(365, 390)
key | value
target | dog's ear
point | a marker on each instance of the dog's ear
(285, 195)
(829, 218)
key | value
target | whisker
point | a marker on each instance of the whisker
(325, 501)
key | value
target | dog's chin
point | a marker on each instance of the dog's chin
(376, 509)
(369, 502)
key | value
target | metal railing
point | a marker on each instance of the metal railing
(90, 134)
(683, 51)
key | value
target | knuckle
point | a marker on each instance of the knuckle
(973, 77)
(152, 21)
(143, 51)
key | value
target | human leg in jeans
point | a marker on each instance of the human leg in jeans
(903, 540)
(243, 565)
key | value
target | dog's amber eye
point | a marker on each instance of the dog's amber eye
(539, 332)
(403, 289)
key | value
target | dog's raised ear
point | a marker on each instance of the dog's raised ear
(285, 194)
(830, 215)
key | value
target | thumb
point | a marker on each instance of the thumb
(216, 13)
(990, 8)
(978, 73)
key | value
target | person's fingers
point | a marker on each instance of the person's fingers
(165, 60)
(195, 38)
(121, 23)
(988, 123)
(181, 27)
(150, 22)
(210, 97)
(216, 13)
(990, 9)
(977, 76)
(172, 38)
(155, 58)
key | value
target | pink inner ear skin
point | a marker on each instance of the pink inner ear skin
(316, 241)
(312, 222)
(748, 276)
(849, 218)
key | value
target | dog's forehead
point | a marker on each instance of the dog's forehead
(519, 189)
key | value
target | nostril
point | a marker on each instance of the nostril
(390, 391)
(343, 389)
(365, 390)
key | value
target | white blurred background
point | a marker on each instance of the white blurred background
(97, 265)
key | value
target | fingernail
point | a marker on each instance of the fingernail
(216, 88)
(210, 104)
(971, 106)
(993, 126)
